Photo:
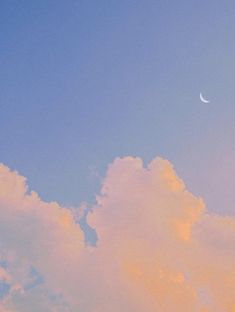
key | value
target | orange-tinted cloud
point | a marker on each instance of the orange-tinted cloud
(160, 244)
(159, 249)
(37, 235)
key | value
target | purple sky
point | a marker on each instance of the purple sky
(84, 82)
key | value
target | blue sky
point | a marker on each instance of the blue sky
(83, 82)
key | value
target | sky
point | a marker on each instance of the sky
(99, 100)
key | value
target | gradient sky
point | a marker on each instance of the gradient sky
(83, 82)
(116, 181)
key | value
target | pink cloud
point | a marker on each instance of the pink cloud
(159, 249)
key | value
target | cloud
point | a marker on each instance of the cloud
(38, 236)
(158, 247)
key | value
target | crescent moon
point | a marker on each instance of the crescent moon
(203, 99)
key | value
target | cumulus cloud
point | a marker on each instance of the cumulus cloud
(40, 236)
(158, 247)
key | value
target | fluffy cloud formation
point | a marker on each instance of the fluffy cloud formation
(158, 248)
(36, 239)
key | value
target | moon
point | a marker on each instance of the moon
(203, 99)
